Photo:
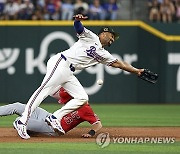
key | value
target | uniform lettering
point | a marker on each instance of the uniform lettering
(92, 53)
(72, 117)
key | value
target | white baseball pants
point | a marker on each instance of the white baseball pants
(58, 74)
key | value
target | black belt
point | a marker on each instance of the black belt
(72, 68)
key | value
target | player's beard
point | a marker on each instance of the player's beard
(108, 42)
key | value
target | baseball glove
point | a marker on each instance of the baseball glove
(148, 76)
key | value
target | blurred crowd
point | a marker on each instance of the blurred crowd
(158, 10)
(165, 11)
(57, 9)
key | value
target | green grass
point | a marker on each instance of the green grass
(88, 148)
(124, 115)
(110, 115)
(139, 115)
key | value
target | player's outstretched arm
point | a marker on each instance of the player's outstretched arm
(96, 127)
(77, 24)
(127, 67)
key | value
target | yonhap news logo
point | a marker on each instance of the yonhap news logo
(104, 139)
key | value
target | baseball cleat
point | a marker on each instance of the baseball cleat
(54, 122)
(21, 129)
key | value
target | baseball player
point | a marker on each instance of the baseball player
(37, 122)
(87, 51)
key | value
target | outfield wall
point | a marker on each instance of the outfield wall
(25, 48)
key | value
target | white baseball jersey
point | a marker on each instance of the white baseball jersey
(88, 51)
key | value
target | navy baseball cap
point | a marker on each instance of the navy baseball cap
(110, 30)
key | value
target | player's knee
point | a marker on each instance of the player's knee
(85, 99)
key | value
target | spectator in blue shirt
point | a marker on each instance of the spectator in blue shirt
(2, 4)
(67, 10)
(96, 11)
(111, 10)
(51, 8)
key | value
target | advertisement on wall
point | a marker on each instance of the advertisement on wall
(25, 50)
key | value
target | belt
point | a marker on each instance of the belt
(72, 68)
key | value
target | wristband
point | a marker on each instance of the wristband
(91, 132)
(78, 26)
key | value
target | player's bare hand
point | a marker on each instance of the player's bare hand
(86, 135)
(80, 17)
(140, 71)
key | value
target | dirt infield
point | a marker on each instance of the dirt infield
(10, 135)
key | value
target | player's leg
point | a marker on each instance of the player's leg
(39, 114)
(57, 73)
(34, 101)
(10, 109)
(75, 89)
(18, 108)
(40, 126)
(80, 97)
(38, 96)
(37, 123)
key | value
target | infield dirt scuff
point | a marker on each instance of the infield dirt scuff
(10, 134)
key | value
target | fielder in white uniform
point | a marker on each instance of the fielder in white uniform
(87, 51)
